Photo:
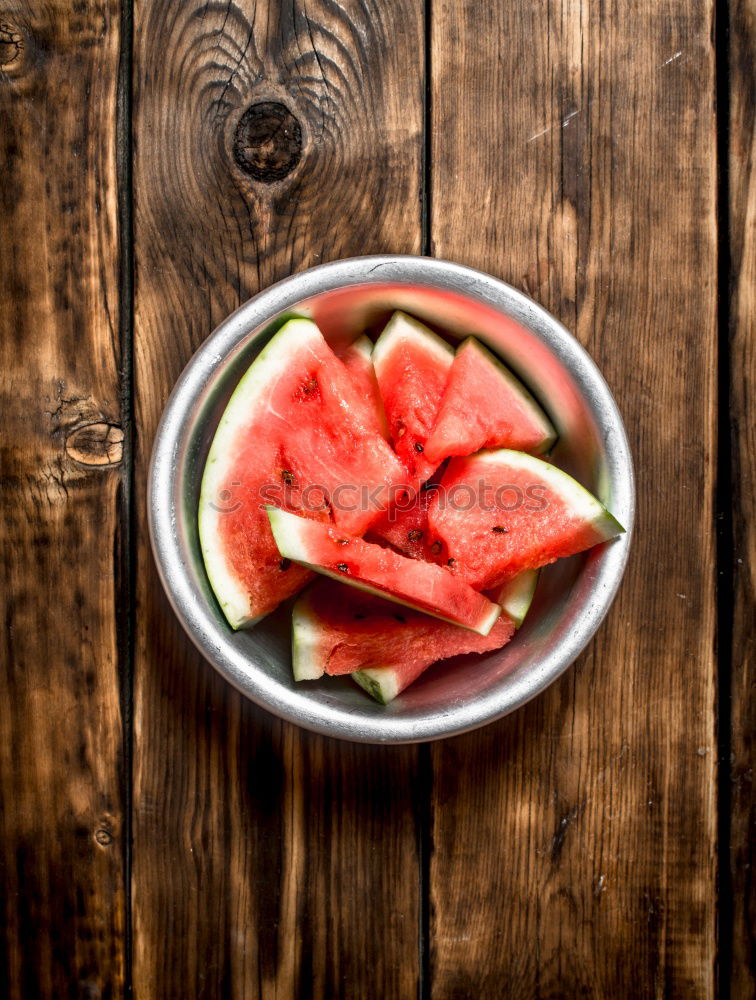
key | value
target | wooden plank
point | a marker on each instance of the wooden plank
(575, 843)
(62, 898)
(264, 858)
(742, 211)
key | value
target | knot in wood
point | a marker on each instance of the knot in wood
(268, 142)
(11, 43)
(95, 444)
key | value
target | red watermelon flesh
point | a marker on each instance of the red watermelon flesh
(339, 630)
(405, 527)
(296, 432)
(412, 365)
(502, 512)
(485, 406)
(419, 585)
(358, 360)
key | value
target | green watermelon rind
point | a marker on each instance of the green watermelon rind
(285, 528)
(379, 682)
(530, 403)
(403, 327)
(272, 361)
(514, 597)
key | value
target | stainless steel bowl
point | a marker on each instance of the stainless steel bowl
(573, 595)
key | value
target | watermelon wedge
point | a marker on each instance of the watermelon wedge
(502, 512)
(411, 364)
(339, 630)
(384, 683)
(485, 406)
(419, 585)
(335, 467)
(358, 360)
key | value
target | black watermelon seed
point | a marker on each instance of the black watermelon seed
(499, 530)
(415, 535)
(284, 564)
(288, 477)
(343, 567)
(436, 548)
(449, 562)
(342, 541)
(400, 619)
(418, 447)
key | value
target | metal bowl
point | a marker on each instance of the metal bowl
(573, 595)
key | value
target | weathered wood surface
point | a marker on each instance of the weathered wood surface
(569, 850)
(574, 844)
(742, 249)
(264, 859)
(62, 900)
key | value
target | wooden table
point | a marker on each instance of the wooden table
(160, 835)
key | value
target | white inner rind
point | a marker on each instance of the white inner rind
(272, 363)
(402, 327)
(307, 658)
(363, 346)
(516, 596)
(288, 532)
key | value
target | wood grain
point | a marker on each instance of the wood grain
(264, 858)
(742, 226)
(574, 843)
(62, 898)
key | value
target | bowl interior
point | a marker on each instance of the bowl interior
(467, 691)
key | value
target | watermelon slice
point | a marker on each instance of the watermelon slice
(412, 365)
(384, 683)
(358, 360)
(338, 630)
(423, 586)
(501, 512)
(336, 466)
(485, 406)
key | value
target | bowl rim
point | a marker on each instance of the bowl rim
(201, 371)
